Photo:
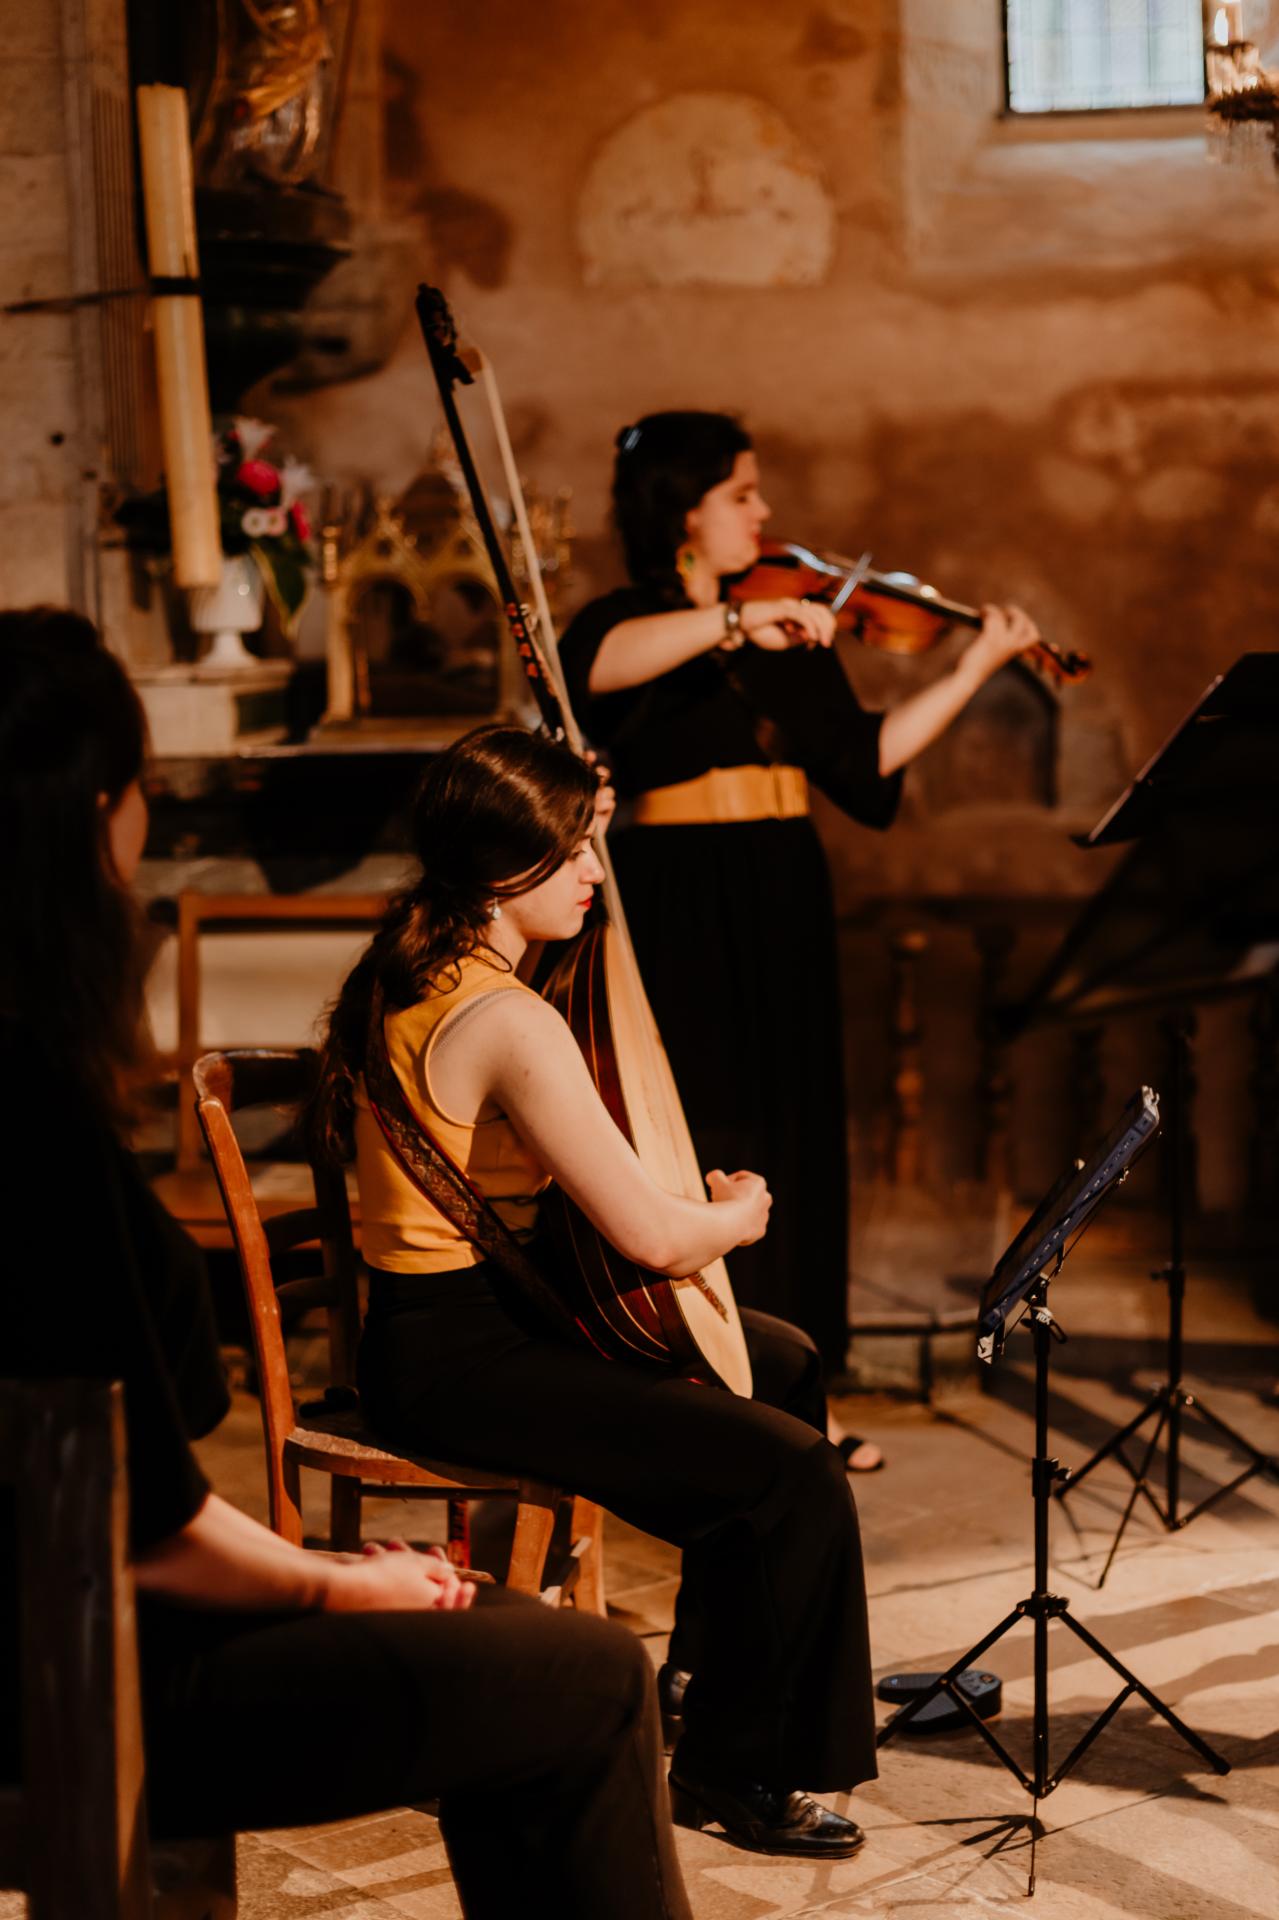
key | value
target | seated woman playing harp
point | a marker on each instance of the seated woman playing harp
(771, 1619)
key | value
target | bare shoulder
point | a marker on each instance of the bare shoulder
(506, 1018)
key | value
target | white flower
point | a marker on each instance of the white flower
(253, 435)
(277, 520)
(295, 480)
(256, 522)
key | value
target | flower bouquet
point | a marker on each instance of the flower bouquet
(261, 513)
(266, 536)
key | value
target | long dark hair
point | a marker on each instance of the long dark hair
(665, 464)
(494, 816)
(71, 951)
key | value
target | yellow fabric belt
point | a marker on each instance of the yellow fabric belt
(724, 795)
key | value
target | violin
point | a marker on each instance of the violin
(895, 612)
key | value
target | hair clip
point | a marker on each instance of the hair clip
(628, 440)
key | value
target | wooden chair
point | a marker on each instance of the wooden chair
(73, 1836)
(189, 1190)
(335, 1441)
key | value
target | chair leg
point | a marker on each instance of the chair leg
(534, 1524)
(459, 1531)
(286, 1517)
(587, 1525)
(345, 1499)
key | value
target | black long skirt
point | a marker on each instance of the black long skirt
(734, 927)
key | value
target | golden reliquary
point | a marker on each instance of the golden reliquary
(414, 627)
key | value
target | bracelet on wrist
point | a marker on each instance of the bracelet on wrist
(733, 634)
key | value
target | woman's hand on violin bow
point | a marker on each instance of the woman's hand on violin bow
(779, 624)
(1005, 633)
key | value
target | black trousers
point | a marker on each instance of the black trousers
(772, 1612)
(536, 1731)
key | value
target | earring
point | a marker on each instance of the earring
(686, 560)
(495, 911)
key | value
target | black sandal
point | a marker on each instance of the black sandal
(849, 1445)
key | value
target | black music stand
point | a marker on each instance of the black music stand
(1191, 915)
(1022, 1278)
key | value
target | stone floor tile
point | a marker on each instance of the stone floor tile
(374, 1852)
(275, 1884)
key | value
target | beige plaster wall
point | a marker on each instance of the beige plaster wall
(1034, 361)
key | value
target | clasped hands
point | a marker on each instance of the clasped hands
(389, 1576)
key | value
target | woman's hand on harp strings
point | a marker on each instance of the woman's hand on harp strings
(748, 1192)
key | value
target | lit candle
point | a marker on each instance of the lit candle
(186, 426)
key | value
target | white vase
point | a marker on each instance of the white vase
(226, 612)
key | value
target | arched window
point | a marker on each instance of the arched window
(1073, 55)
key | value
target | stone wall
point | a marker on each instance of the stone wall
(1030, 361)
(37, 351)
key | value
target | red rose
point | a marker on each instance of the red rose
(260, 477)
(301, 525)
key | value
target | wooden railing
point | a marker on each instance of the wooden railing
(937, 951)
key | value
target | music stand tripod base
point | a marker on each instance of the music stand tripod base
(1040, 1608)
(1026, 1281)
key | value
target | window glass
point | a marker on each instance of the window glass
(1072, 54)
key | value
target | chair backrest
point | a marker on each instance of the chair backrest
(200, 912)
(227, 1083)
(74, 1835)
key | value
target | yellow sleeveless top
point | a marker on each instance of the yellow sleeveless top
(402, 1231)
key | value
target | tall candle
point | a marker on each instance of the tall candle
(186, 425)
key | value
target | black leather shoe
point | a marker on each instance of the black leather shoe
(671, 1683)
(764, 1819)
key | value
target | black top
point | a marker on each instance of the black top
(99, 1282)
(749, 707)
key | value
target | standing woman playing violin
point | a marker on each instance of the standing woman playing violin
(715, 715)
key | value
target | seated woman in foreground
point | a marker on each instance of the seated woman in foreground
(772, 1611)
(281, 1687)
